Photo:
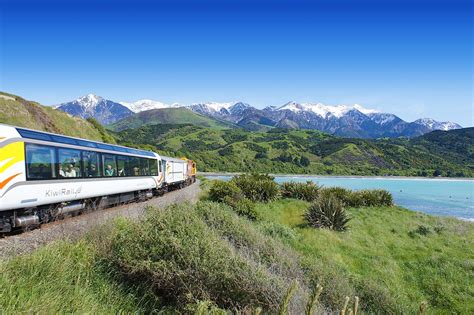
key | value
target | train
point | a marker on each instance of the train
(46, 176)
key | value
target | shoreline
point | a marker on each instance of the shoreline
(406, 178)
(467, 179)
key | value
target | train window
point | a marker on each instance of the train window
(160, 169)
(110, 165)
(105, 146)
(122, 166)
(134, 166)
(91, 162)
(33, 134)
(153, 168)
(69, 163)
(86, 143)
(63, 139)
(40, 161)
(145, 168)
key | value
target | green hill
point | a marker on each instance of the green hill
(455, 145)
(306, 151)
(17, 111)
(178, 115)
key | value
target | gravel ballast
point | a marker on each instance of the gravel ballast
(75, 227)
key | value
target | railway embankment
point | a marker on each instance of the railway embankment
(75, 227)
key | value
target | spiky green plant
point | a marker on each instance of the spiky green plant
(327, 212)
(283, 309)
(313, 300)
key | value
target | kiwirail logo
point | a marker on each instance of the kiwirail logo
(63, 192)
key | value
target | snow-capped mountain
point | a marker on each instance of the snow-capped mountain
(231, 111)
(325, 111)
(143, 105)
(343, 120)
(91, 105)
(352, 121)
(436, 125)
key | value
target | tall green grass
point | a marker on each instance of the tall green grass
(382, 260)
(66, 278)
(205, 259)
(205, 253)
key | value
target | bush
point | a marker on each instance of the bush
(327, 212)
(205, 253)
(370, 198)
(422, 230)
(221, 191)
(305, 191)
(279, 230)
(257, 187)
(242, 207)
(342, 194)
(360, 198)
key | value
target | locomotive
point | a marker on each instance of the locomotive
(45, 176)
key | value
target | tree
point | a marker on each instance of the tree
(304, 161)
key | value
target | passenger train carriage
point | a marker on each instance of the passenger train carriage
(44, 176)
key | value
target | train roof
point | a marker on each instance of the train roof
(168, 158)
(51, 137)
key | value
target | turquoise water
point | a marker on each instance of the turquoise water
(433, 196)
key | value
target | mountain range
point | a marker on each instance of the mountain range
(341, 120)
(217, 146)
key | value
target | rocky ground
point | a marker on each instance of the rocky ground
(75, 227)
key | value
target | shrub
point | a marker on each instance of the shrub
(221, 191)
(257, 187)
(305, 191)
(304, 161)
(327, 212)
(420, 230)
(226, 151)
(279, 230)
(370, 198)
(360, 198)
(205, 253)
(342, 194)
(242, 207)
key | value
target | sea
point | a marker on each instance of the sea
(441, 197)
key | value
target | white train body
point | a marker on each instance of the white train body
(174, 170)
(44, 174)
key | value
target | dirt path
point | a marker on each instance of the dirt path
(73, 228)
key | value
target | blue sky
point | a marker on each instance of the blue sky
(412, 58)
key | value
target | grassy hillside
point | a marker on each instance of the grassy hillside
(454, 145)
(168, 116)
(305, 151)
(387, 257)
(391, 258)
(17, 111)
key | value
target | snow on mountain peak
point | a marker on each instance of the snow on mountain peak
(429, 122)
(146, 104)
(437, 125)
(89, 101)
(366, 111)
(326, 110)
(216, 106)
(448, 125)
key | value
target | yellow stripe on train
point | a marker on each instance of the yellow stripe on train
(10, 154)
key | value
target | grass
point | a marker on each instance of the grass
(381, 251)
(205, 258)
(65, 278)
